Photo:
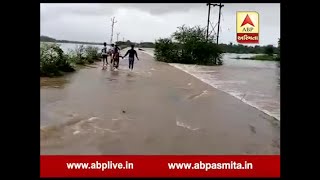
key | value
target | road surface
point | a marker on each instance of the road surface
(156, 109)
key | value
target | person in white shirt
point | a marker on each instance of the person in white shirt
(104, 53)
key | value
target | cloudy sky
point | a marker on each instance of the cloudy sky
(148, 22)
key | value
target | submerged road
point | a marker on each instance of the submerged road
(156, 109)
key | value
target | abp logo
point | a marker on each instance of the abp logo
(247, 27)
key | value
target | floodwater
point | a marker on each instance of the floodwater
(69, 47)
(256, 83)
(158, 109)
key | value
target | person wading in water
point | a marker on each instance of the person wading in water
(111, 51)
(116, 56)
(131, 53)
(104, 54)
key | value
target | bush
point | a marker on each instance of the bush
(78, 55)
(269, 50)
(264, 57)
(83, 55)
(189, 46)
(92, 54)
(166, 51)
(53, 60)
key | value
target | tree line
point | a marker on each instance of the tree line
(243, 49)
(49, 39)
(119, 43)
(226, 48)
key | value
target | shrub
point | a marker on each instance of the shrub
(82, 55)
(53, 60)
(166, 51)
(78, 55)
(190, 46)
(269, 50)
(92, 54)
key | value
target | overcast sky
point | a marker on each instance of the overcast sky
(148, 22)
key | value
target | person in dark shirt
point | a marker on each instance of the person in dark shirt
(131, 53)
(116, 56)
(111, 54)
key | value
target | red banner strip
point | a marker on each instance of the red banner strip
(160, 166)
(248, 38)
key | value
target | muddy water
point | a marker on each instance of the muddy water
(256, 83)
(156, 109)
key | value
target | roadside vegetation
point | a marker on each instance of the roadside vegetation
(269, 54)
(261, 57)
(55, 62)
(188, 45)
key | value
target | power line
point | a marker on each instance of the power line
(213, 27)
(211, 22)
(222, 18)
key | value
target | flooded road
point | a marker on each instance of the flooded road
(156, 109)
(254, 82)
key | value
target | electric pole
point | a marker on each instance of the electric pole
(220, 6)
(112, 25)
(118, 37)
(208, 4)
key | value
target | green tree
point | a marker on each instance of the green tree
(269, 50)
(53, 61)
(189, 45)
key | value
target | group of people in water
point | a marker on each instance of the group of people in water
(114, 54)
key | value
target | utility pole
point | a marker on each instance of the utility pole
(220, 6)
(123, 39)
(208, 4)
(112, 25)
(118, 37)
